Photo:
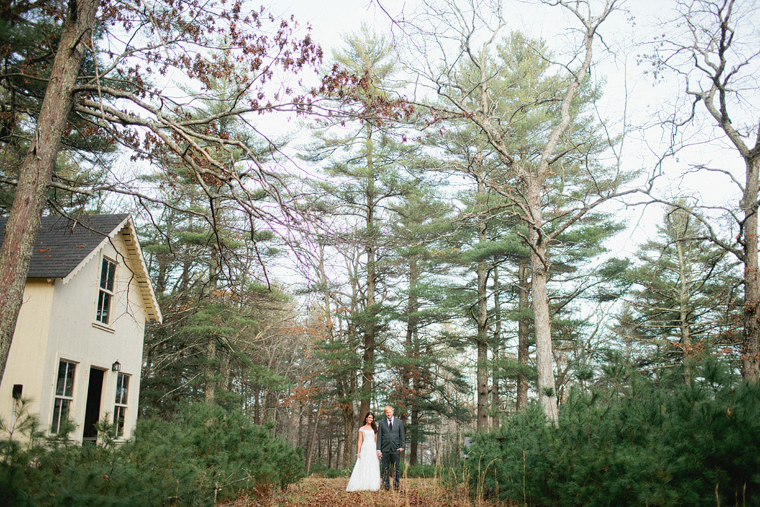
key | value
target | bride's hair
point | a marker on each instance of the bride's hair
(374, 424)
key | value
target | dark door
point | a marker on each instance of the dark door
(92, 409)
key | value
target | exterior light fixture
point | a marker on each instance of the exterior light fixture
(116, 366)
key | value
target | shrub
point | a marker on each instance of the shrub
(422, 471)
(319, 469)
(204, 456)
(696, 445)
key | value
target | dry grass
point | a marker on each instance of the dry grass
(320, 492)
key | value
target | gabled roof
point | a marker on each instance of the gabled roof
(64, 246)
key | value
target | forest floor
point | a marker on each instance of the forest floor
(320, 492)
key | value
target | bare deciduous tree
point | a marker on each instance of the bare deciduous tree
(712, 47)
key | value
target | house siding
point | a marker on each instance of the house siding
(27, 361)
(70, 333)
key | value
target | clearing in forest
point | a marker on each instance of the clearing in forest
(320, 492)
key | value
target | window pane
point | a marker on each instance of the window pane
(107, 271)
(69, 386)
(122, 388)
(111, 272)
(104, 274)
(119, 415)
(60, 385)
(60, 414)
(65, 384)
(104, 305)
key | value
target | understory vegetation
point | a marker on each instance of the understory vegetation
(203, 456)
(648, 441)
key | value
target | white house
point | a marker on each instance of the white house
(77, 349)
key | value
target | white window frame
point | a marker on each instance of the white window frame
(121, 404)
(63, 398)
(104, 302)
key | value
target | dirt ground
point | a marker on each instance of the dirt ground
(320, 492)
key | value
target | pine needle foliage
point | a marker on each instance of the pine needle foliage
(204, 456)
(641, 444)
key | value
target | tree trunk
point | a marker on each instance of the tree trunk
(257, 405)
(751, 344)
(209, 388)
(683, 314)
(412, 353)
(271, 408)
(496, 402)
(414, 445)
(370, 329)
(481, 318)
(522, 337)
(34, 178)
(348, 433)
(547, 394)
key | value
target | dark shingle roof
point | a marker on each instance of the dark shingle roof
(63, 244)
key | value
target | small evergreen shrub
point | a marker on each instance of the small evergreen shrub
(319, 469)
(422, 471)
(206, 455)
(697, 445)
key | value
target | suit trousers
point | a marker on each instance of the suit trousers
(391, 459)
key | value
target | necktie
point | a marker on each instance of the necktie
(390, 424)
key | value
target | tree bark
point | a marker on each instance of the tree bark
(496, 402)
(683, 312)
(411, 381)
(415, 443)
(547, 393)
(482, 323)
(751, 344)
(522, 337)
(210, 384)
(370, 329)
(348, 433)
(37, 169)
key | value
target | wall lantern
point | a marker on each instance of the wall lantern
(116, 366)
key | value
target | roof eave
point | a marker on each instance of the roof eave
(140, 270)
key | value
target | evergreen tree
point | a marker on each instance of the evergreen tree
(31, 37)
(684, 292)
(425, 375)
(368, 166)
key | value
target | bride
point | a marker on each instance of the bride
(366, 474)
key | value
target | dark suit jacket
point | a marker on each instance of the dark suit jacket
(390, 440)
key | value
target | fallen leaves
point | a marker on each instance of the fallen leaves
(321, 492)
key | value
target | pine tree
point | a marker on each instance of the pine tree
(684, 290)
(368, 164)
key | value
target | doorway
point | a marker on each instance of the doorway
(92, 408)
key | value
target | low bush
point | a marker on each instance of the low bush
(319, 469)
(697, 445)
(204, 456)
(422, 471)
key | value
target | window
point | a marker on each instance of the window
(107, 272)
(120, 408)
(64, 396)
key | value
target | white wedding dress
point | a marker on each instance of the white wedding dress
(366, 474)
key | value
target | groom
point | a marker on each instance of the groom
(390, 445)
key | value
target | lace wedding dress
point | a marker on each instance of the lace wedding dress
(366, 474)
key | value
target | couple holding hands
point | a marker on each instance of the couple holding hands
(382, 440)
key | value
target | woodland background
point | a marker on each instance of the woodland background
(437, 228)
